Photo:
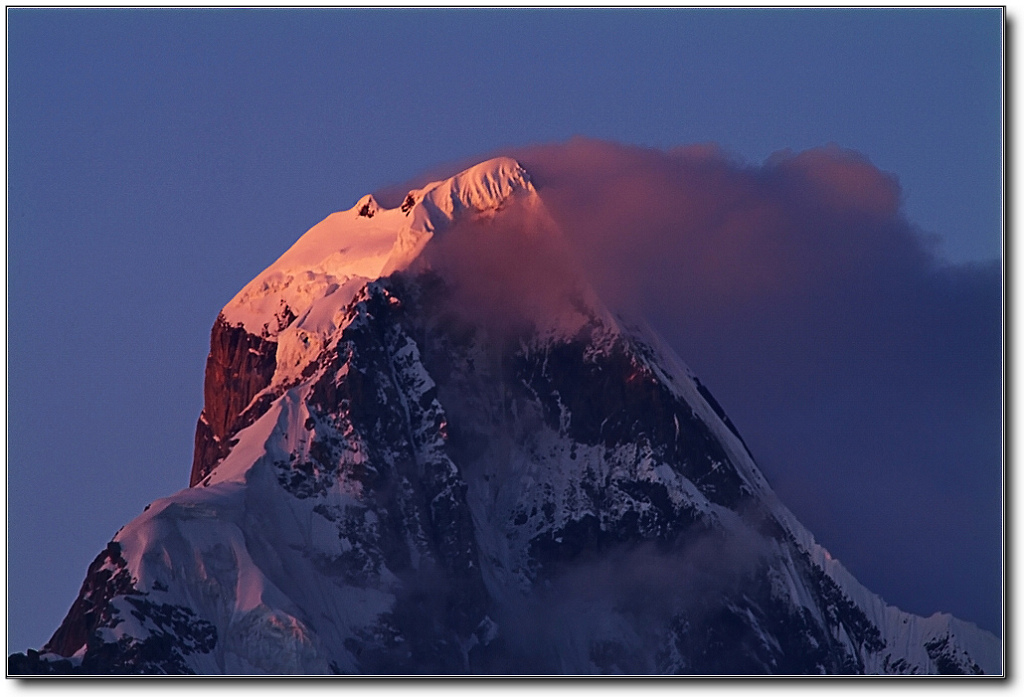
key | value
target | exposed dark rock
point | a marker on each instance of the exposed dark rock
(32, 663)
(107, 577)
(720, 412)
(840, 610)
(174, 632)
(239, 366)
(948, 661)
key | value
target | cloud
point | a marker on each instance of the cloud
(863, 369)
(723, 232)
(509, 272)
(626, 601)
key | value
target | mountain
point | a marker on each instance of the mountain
(427, 447)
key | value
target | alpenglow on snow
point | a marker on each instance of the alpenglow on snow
(418, 455)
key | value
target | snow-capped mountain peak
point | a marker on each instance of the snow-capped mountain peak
(347, 249)
(482, 187)
(386, 480)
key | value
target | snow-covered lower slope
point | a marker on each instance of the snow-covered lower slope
(389, 480)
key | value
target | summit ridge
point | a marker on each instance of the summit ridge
(360, 244)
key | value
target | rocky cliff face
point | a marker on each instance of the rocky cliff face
(385, 483)
(239, 367)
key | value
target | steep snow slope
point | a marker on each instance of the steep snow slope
(387, 482)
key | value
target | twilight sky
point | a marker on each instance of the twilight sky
(158, 160)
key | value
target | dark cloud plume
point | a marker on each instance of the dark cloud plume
(510, 272)
(863, 370)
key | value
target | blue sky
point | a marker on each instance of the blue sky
(158, 160)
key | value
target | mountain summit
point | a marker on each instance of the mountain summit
(427, 447)
(367, 242)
